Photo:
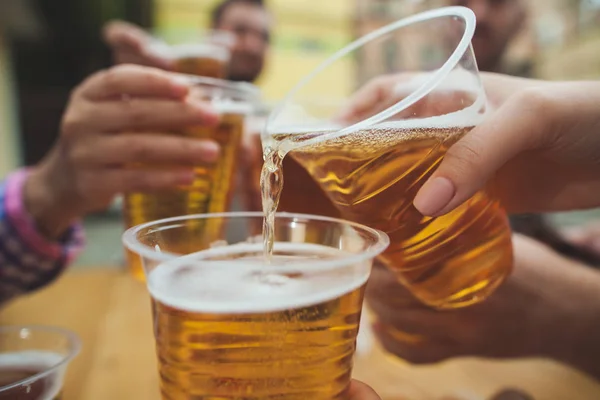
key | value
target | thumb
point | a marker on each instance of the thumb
(360, 391)
(121, 34)
(519, 125)
(375, 96)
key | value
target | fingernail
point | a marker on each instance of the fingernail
(185, 177)
(209, 115)
(434, 196)
(210, 151)
(178, 90)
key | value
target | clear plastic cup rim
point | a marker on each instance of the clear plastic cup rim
(426, 87)
(244, 89)
(380, 239)
(74, 349)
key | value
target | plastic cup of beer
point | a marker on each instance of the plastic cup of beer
(214, 184)
(229, 325)
(203, 53)
(372, 161)
(33, 361)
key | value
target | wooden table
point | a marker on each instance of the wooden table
(111, 313)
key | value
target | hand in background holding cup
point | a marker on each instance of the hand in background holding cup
(110, 123)
(549, 307)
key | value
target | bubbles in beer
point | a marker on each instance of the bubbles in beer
(229, 327)
(223, 284)
(372, 176)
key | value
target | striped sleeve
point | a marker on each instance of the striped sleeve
(29, 261)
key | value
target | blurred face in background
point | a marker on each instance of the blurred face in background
(251, 25)
(498, 23)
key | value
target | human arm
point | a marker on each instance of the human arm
(113, 122)
(549, 307)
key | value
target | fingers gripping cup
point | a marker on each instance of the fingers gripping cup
(230, 326)
(372, 156)
(214, 183)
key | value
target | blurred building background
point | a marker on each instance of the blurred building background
(48, 46)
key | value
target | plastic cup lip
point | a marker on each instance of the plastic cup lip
(74, 349)
(435, 78)
(381, 240)
(243, 90)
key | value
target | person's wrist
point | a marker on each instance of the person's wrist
(575, 331)
(49, 210)
(585, 354)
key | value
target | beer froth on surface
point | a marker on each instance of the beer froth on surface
(190, 50)
(388, 133)
(19, 366)
(235, 279)
(228, 332)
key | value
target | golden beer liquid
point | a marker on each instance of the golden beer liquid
(237, 338)
(210, 192)
(201, 66)
(372, 177)
(301, 195)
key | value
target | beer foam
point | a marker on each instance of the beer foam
(36, 360)
(465, 118)
(378, 137)
(202, 282)
(189, 50)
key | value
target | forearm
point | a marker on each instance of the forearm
(575, 329)
(584, 351)
(52, 219)
(587, 357)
